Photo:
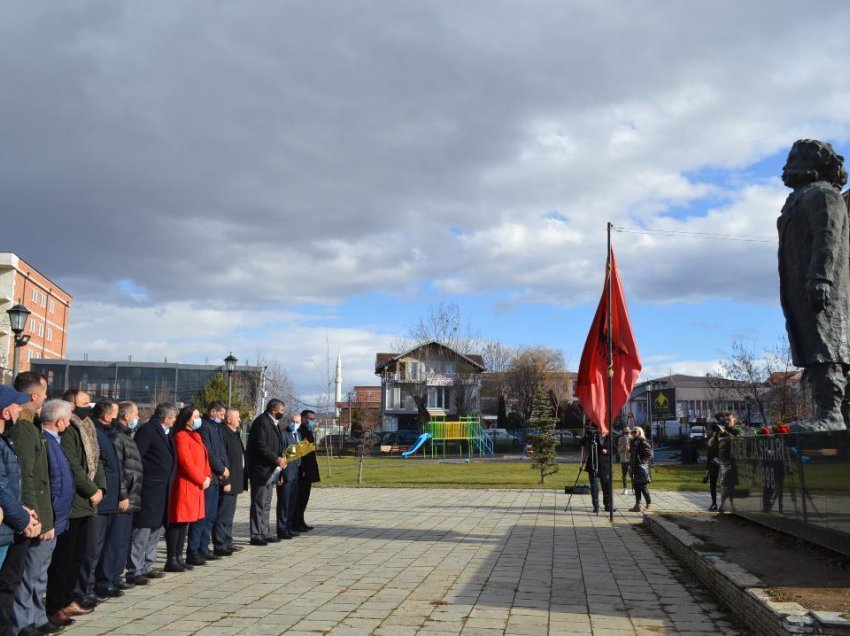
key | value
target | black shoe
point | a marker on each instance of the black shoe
(712, 507)
(304, 528)
(284, 536)
(596, 511)
(609, 510)
(88, 602)
(183, 564)
(234, 548)
(138, 580)
(271, 539)
(258, 542)
(193, 558)
(153, 574)
(294, 533)
(125, 585)
(29, 630)
(174, 566)
(222, 553)
(210, 557)
(108, 593)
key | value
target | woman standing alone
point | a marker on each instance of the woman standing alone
(640, 456)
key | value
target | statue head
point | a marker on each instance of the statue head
(811, 160)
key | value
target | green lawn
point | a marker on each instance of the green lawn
(418, 473)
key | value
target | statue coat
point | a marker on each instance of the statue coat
(814, 245)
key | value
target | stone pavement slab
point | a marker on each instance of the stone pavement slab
(434, 561)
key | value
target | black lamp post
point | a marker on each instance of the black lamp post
(649, 412)
(18, 319)
(230, 366)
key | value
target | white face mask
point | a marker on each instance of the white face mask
(196, 424)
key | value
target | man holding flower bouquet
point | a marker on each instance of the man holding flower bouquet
(287, 485)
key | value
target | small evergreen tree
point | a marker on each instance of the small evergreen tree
(216, 389)
(357, 424)
(542, 441)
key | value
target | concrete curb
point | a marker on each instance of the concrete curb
(743, 593)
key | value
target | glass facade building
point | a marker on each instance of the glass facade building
(146, 383)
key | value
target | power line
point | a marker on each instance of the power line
(725, 237)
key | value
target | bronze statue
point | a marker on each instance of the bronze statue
(814, 277)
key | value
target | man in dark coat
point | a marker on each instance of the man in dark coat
(597, 462)
(32, 454)
(93, 578)
(153, 440)
(814, 276)
(89, 487)
(309, 473)
(264, 454)
(117, 548)
(20, 524)
(231, 486)
(287, 485)
(198, 548)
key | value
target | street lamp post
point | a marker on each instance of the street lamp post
(649, 412)
(230, 365)
(18, 319)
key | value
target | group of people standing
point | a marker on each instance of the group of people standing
(635, 457)
(86, 495)
(720, 462)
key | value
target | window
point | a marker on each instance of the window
(51, 306)
(438, 397)
(35, 295)
(29, 355)
(43, 302)
(32, 324)
(49, 334)
(41, 329)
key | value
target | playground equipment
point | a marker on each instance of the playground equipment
(412, 451)
(465, 429)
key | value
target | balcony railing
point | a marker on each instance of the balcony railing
(431, 378)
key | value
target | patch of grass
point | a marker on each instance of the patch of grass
(427, 473)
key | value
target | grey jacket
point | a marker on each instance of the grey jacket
(131, 468)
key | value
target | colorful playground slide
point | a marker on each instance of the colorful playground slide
(422, 439)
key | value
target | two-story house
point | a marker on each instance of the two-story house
(429, 380)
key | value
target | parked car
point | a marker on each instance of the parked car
(697, 432)
(498, 434)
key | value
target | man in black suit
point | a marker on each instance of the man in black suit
(153, 440)
(287, 486)
(222, 534)
(264, 454)
(309, 473)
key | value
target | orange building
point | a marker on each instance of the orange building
(47, 325)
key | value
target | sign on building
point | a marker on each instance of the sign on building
(663, 404)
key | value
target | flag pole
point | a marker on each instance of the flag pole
(610, 485)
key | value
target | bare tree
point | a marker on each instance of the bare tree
(446, 324)
(532, 367)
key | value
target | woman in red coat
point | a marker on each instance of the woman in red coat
(191, 477)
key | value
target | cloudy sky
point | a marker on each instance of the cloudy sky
(293, 178)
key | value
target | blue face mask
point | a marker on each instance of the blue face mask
(293, 426)
(196, 424)
(217, 420)
(311, 425)
(134, 424)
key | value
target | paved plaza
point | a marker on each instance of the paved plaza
(432, 561)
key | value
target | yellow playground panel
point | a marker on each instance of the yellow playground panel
(465, 429)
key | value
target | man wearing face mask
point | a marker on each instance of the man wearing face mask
(264, 454)
(287, 487)
(20, 524)
(231, 487)
(309, 473)
(129, 499)
(89, 485)
(93, 581)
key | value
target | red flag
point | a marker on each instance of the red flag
(592, 381)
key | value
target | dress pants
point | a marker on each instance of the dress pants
(261, 507)
(222, 535)
(305, 487)
(10, 578)
(201, 530)
(29, 597)
(143, 550)
(66, 563)
(113, 557)
(95, 539)
(287, 503)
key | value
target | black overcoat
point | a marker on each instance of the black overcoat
(157, 453)
(309, 463)
(265, 447)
